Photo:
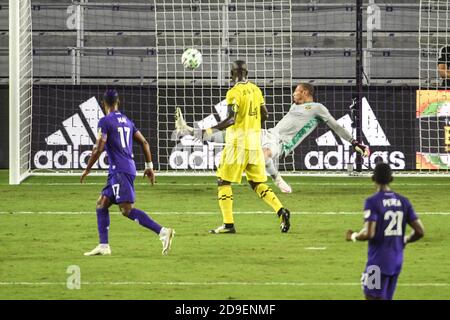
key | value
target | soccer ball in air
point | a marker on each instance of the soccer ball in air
(191, 58)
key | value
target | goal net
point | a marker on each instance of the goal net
(63, 61)
(82, 47)
(433, 96)
(256, 31)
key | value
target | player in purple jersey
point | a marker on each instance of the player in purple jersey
(386, 214)
(116, 134)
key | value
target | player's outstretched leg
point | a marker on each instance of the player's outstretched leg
(183, 129)
(276, 176)
(269, 197)
(282, 185)
(225, 196)
(165, 234)
(272, 171)
(103, 248)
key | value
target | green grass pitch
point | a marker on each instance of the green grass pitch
(48, 222)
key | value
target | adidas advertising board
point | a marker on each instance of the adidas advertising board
(64, 140)
(70, 153)
(373, 136)
(387, 124)
(388, 128)
(192, 153)
(64, 131)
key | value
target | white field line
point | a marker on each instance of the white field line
(144, 283)
(306, 183)
(316, 248)
(325, 213)
(212, 173)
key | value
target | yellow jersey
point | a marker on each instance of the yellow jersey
(246, 99)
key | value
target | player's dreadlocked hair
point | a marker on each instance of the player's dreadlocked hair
(111, 97)
(382, 174)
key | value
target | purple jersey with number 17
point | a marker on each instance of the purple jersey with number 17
(119, 131)
(391, 212)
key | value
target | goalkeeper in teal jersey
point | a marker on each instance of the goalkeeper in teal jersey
(302, 118)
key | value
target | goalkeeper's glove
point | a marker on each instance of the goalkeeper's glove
(360, 148)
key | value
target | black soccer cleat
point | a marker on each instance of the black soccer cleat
(284, 215)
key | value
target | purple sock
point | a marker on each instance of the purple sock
(103, 224)
(144, 220)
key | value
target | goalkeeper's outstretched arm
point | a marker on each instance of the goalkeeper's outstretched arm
(339, 130)
(344, 134)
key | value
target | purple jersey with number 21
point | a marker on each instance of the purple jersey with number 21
(391, 212)
(119, 131)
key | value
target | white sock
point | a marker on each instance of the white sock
(163, 231)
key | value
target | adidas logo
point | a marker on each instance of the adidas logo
(192, 153)
(371, 128)
(76, 133)
(374, 136)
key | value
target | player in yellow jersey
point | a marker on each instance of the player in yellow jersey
(243, 151)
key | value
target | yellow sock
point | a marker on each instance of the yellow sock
(268, 196)
(226, 203)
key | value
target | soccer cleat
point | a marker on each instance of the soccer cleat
(284, 215)
(100, 250)
(166, 236)
(222, 229)
(180, 124)
(282, 185)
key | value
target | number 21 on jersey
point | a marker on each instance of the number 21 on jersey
(394, 227)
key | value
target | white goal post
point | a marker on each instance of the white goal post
(20, 89)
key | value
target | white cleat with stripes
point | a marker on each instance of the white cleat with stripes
(166, 236)
(100, 250)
